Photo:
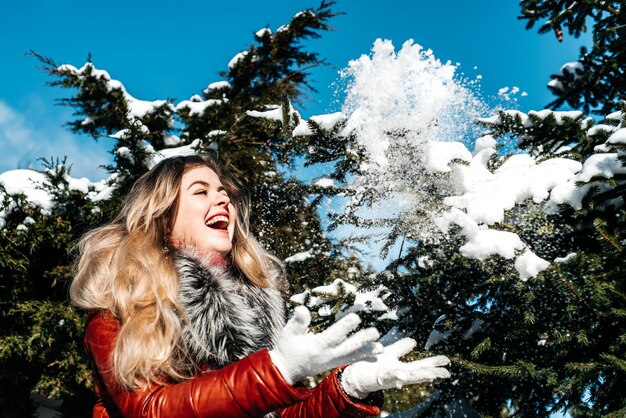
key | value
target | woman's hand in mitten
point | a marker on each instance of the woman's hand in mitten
(299, 353)
(360, 379)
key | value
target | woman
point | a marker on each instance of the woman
(185, 319)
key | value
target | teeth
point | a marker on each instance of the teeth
(216, 219)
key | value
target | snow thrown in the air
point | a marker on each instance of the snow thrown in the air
(409, 90)
(403, 107)
(410, 114)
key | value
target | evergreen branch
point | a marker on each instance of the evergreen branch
(481, 348)
(614, 361)
(14, 244)
(606, 236)
(247, 142)
(571, 287)
(581, 366)
(508, 371)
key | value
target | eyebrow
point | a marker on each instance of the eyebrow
(205, 184)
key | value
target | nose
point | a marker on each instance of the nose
(221, 200)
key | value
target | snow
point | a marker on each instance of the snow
(602, 165)
(322, 298)
(31, 183)
(618, 137)
(488, 195)
(304, 12)
(328, 121)
(324, 182)
(325, 121)
(565, 259)
(261, 32)
(569, 193)
(218, 85)
(171, 140)
(485, 196)
(216, 132)
(371, 300)
(595, 130)
(313, 300)
(570, 68)
(615, 116)
(484, 142)
(440, 154)
(391, 315)
(27, 182)
(408, 90)
(272, 114)
(555, 84)
(197, 107)
(235, 60)
(137, 109)
(529, 265)
(560, 116)
(157, 156)
(333, 288)
(485, 243)
(302, 256)
(302, 129)
(507, 93)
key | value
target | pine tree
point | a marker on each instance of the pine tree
(594, 81)
(41, 334)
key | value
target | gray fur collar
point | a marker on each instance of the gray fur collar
(228, 316)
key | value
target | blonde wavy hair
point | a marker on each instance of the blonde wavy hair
(124, 267)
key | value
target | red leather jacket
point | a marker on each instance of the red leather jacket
(250, 387)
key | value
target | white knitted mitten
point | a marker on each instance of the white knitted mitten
(299, 353)
(360, 379)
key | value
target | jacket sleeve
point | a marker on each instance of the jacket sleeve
(328, 400)
(250, 387)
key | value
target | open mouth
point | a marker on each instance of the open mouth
(218, 222)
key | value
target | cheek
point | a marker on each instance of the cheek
(233, 219)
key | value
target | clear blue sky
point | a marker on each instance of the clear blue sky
(171, 49)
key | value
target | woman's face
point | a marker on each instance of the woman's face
(205, 217)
